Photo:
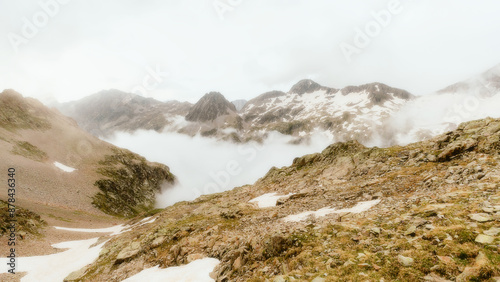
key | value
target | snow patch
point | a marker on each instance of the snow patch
(56, 267)
(64, 167)
(358, 208)
(198, 270)
(113, 229)
(268, 200)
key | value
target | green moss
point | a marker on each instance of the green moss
(17, 113)
(27, 221)
(29, 151)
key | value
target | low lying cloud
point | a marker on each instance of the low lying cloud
(432, 115)
(204, 165)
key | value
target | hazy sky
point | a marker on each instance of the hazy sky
(181, 49)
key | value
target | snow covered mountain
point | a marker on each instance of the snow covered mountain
(348, 113)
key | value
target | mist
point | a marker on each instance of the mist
(434, 114)
(205, 165)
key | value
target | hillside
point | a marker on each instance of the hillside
(112, 110)
(57, 164)
(427, 211)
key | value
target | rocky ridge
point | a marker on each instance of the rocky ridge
(433, 215)
(108, 111)
(349, 113)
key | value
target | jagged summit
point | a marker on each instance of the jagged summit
(306, 86)
(378, 93)
(211, 106)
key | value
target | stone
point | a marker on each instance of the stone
(158, 241)
(480, 217)
(375, 231)
(471, 271)
(237, 263)
(128, 252)
(405, 261)
(432, 277)
(279, 278)
(193, 257)
(411, 231)
(484, 239)
(76, 275)
(446, 259)
(493, 231)
(318, 279)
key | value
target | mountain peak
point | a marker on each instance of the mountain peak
(379, 92)
(209, 107)
(305, 86)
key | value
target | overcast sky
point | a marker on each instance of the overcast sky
(243, 48)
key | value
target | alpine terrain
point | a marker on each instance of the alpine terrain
(428, 211)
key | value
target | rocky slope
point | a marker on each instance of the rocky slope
(58, 164)
(429, 211)
(108, 111)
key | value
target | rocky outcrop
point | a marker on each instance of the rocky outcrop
(28, 223)
(131, 184)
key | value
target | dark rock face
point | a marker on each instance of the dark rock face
(130, 185)
(210, 107)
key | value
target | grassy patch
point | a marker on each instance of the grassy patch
(28, 150)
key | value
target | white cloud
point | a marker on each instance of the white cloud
(261, 45)
(205, 165)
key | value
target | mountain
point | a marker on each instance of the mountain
(482, 85)
(108, 111)
(349, 113)
(60, 165)
(426, 211)
(210, 107)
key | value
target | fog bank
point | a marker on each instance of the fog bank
(205, 165)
